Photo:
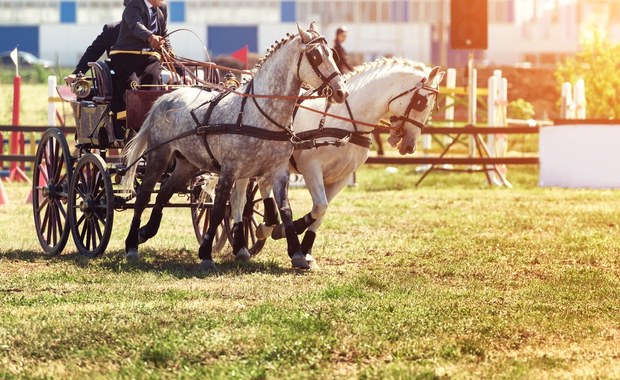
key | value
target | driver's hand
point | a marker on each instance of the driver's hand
(156, 42)
(70, 79)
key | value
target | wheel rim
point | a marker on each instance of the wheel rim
(51, 178)
(91, 206)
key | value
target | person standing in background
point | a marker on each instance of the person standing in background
(342, 59)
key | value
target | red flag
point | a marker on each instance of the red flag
(242, 55)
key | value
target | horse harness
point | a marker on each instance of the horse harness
(204, 128)
(418, 103)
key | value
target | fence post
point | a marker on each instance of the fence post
(17, 138)
(568, 109)
(472, 90)
(580, 99)
(449, 112)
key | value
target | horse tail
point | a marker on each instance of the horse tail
(134, 149)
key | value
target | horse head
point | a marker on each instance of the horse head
(317, 68)
(410, 110)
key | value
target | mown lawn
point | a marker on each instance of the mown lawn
(453, 279)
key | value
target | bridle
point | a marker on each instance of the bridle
(313, 55)
(418, 103)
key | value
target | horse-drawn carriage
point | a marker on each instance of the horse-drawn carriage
(79, 191)
(76, 191)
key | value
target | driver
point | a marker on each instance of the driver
(135, 57)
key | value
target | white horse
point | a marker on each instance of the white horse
(396, 88)
(236, 136)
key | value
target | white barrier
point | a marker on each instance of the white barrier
(580, 155)
(573, 100)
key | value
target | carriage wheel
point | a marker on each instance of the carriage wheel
(91, 205)
(201, 204)
(253, 215)
(52, 174)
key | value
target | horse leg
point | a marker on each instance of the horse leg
(280, 191)
(222, 193)
(182, 172)
(329, 191)
(154, 170)
(271, 218)
(238, 200)
(314, 182)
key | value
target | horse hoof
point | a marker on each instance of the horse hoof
(278, 232)
(208, 266)
(263, 231)
(132, 255)
(299, 261)
(243, 255)
(311, 262)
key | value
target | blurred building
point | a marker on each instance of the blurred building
(524, 32)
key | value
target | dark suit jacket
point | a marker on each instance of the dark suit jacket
(343, 63)
(100, 45)
(134, 31)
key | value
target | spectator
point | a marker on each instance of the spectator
(342, 59)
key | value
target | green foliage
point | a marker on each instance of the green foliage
(597, 64)
(521, 109)
(31, 75)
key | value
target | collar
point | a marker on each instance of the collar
(149, 6)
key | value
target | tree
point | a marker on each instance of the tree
(598, 64)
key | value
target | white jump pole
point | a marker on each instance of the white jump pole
(579, 92)
(449, 109)
(51, 104)
(567, 110)
(472, 100)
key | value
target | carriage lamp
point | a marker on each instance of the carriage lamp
(81, 86)
(230, 81)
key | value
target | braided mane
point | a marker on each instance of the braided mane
(277, 45)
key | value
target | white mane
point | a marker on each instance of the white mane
(381, 66)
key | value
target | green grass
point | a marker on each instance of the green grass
(453, 279)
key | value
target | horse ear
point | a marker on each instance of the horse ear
(313, 27)
(305, 36)
(432, 74)
(439, 77)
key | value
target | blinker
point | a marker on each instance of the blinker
(419, 102)
(314, 56)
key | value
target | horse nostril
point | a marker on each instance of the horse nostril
(409, 149)
(340, 94)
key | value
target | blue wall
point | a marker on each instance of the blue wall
(228, 39)
(27, 37)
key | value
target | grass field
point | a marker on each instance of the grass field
(453, 279)
(450, 280)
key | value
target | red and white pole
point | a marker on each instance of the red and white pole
(17, 138)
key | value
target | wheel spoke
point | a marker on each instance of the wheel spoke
(58, 222)
(59, 166)
(42, 205)
(52, 224)
(45, 222)
(98, 227)
(60, 207)
(81, 223)
(46, 158)
(43, 171)
(93, 232)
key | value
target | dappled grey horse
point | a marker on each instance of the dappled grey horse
(236, 135)
(398, 89)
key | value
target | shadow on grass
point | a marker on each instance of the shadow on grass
(180, 263)
(183, 264)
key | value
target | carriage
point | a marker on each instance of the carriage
(77, 191)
